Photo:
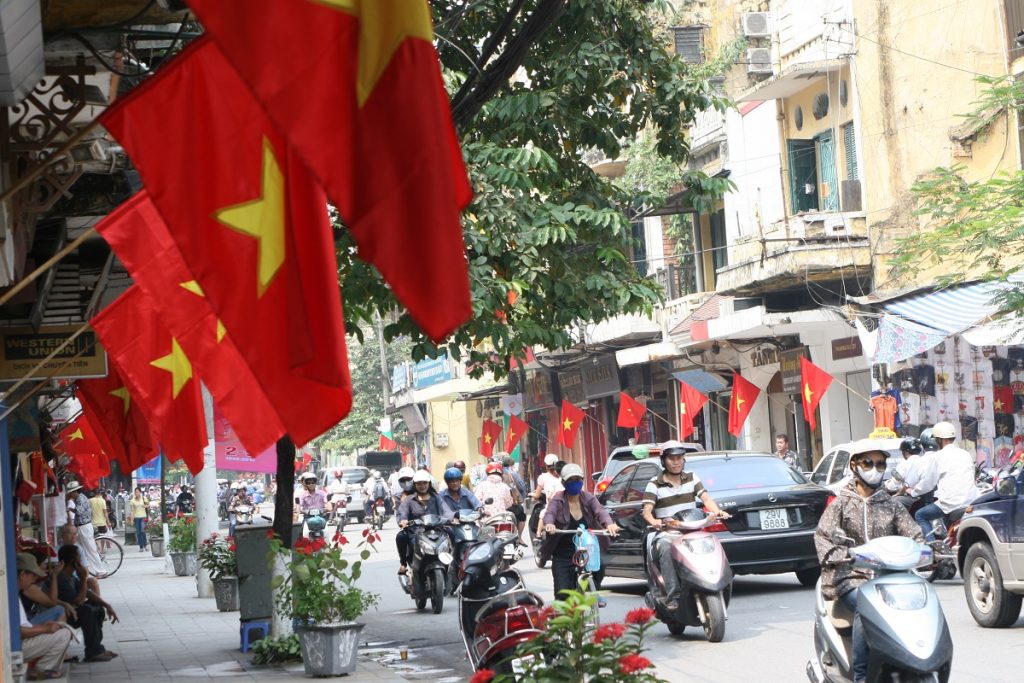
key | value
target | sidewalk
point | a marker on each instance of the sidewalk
(166, 633)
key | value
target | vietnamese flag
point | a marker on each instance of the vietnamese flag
(517, 429)
(157, 373)
(814, 383)
(631, 413)
(387, 442)
(120, 426)
(139, 237)
(744, 394)
(691, 402)
(489, 437)
(251, 224)
(356, 87)
(569, 424)
(87, 456)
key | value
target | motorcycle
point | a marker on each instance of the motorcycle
(243, 514)
(380, 514)
(702, 572)
(315, 525)
(464, 532)
(339, 509)
(496, 610)
(536, 537)
(946, 543)
(906, 632)
(503, 525)
(428, 571)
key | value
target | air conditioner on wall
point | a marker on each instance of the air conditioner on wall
(759, 60)
(757, 24)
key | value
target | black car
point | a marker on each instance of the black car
(774, 509)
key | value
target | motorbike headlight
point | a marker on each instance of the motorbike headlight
(903, 596)
(426, 546)
(700, 546)
(479, 553)
(445, 545)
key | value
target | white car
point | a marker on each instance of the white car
(833, 470)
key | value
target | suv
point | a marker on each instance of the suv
(353, 478)
(990, 553)
(623, 455)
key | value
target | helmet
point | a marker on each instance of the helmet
(452, 474)
(671, 448)
(867, 446)
(944, 430)
(571, 470)
(460, 465)
(507, 461)
(306, 476)
(494, 468)
(422, 475)
(498, 457)
(911, 445)
(550, 459)
(376, 474)
(405, 473)
(928, 441)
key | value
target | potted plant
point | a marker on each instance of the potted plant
(155, 536)
(319, 594)
(216, 555)
(182, 545)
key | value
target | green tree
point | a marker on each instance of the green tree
(539, 87)
(973, 229)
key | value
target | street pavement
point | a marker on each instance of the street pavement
(768, 636)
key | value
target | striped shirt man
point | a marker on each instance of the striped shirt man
(668, 499)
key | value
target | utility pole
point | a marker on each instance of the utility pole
(207, 517)
(385, 387)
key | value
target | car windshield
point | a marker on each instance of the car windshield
(720, 474)
(355, 476)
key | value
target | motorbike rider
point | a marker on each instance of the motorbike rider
(908, 473)
(566, 510)
(238, 498)
(403, 485)
(422, 501)
(669, 493)
(549, 483)
(493, 488)
(950, 472)
(862, 511)
(375, 488)
(455, 496)
(460, 465)
(186, 502)
(519, 491)
(311, 497)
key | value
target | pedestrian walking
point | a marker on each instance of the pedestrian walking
(139, 505)
(80, 514)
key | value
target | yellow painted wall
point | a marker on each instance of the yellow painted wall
(458, 419)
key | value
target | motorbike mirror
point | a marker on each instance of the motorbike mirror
(699, 503)
(839, 538)
(596, 476)
(1007, 487)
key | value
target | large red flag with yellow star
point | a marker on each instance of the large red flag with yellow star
(691, 402)
(252, 225)
(814, 382)
(744, 394)
(489, 437)
(141, 240)
(157, 373)
(119, 424)
(87, 457)
(569, 424)
(517, 429)
(356, 87)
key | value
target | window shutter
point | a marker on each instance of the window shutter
(850, 148)
(690, 43)
(803, 175)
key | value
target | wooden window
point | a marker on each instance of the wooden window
(850, 150)
(690, 43)
(803, 175)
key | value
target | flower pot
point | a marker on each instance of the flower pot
(156, 546)
(329, 649)
(184, 564)
(225, 592)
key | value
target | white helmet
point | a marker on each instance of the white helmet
(376, 474)
(422, 475)
(306, 476)
(571, 470)
(550, 459)
(943, 430)
(405, 473)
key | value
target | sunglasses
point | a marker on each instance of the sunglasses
(868, 464)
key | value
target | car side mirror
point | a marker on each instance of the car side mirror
(596, 476)
(1007, 487)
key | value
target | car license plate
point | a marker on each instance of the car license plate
(775, 518)
(380, 509)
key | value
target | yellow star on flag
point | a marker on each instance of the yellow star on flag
(76, 435)
(487, 438)
(263, 218)
(176, 363)
(567, 425)
(383, 27)
(739, 402)
(123, 394)
(194, 287)
(807, 392)
(682, 407)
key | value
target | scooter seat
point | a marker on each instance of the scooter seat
(839, 614)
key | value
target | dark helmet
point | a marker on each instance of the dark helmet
(927, 441)
(671, 448)
(453, 474)
(911, 445)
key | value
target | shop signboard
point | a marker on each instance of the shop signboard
(399, 378)
(232, 456)
(432, 371)
(23, 348)
(150, 472)
(571, 382)
(789, 367)
(847, 347)
(538, 393)
(601, 377)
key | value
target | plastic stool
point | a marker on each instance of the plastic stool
(246, 630)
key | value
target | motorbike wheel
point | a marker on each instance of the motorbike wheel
(714, 609)
(808, 577)
(675, 628)
(536, 557)
(419, 592)
(437, 591)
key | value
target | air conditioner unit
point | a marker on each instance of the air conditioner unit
(757, 24)
(759, 60)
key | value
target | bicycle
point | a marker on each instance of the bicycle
(111, 555)
(584, 577)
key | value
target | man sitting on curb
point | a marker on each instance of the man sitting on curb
(69, 536)
(46, 642)
(70, 586)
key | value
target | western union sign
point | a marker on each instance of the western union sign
(23, 348)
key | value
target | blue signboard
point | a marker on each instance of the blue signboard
(399, 378)
(433, 371)
(150, 472)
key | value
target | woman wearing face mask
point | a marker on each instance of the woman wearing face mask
(567, 510)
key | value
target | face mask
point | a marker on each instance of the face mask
(872, 478)
(406, 485)
(573, 488)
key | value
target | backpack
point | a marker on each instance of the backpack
(380, 489)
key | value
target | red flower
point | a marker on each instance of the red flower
(482, 676)
(629, 664)
(270, 533)
(639, 616)
(609, 631)
(366, 532)
(318, 544)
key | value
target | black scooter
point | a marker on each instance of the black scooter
(465, 532)
(428, 571)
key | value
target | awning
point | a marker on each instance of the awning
(792, 80)
(1007, 331)
(704, 382)
(648, 353)
(949, 310)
